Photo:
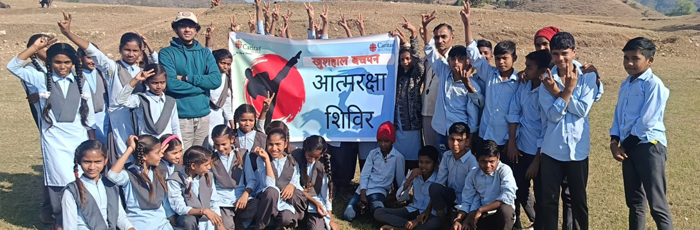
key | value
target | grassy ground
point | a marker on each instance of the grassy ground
(599, 39)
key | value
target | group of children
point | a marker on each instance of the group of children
(498, 130)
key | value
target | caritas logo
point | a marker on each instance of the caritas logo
(373, 47)
(239, 44)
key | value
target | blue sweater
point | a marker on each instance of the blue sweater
(199, 65)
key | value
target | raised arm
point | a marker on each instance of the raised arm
(275, 17)
(425, 21)
(324, 22)
(64, 25)
(31, 76)
(208, 43)
(360, 24)
(344, 23)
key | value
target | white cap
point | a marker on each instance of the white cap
(186, 15)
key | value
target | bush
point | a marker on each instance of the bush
(475, 3)
(683, 7)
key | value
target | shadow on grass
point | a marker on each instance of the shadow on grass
(20, 197)
(361, 222)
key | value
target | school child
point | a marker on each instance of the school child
(91, 201)
(37, 63)
(279, 189)
(234, 177)
(145, 191)
(417, 215)
(384, 165)
(315, 168)
(118, 75)
(192, 194)
(172, 155)
(249, 136)
(408, 99)
(565, 153)
(526, 117)
(280, 124)
(501, 83)
(67, 117)
(98, 92)
(638, 136)
(156, 113)
(486, 51)
(489, 193)
(446, 192)
(220, 104)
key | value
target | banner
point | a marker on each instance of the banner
(341, 89)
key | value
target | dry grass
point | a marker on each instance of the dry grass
(600, 39)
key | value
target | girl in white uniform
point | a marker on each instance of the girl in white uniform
(220, 103)
(67, 115)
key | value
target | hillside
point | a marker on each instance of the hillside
(663, 6)
(601, 28)
(610, 8)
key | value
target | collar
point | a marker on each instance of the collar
(88, 180)
(135, 66)
(251, 134)
(500, 165)
(432, 177)
(161, 97)
(56, 78)
(464, 158)
(644, 77)
(167, 164)
(284, 158)
(513, 77)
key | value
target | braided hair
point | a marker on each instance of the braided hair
(231, 135)
(83, 148)
(67, 50)
(34, 56)
(146, 145)
(196, 155)
(283, 126)
(243, 109)
(222, 54)
(132, 37)
(317, 143)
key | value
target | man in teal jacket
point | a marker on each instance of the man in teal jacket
(192, 72)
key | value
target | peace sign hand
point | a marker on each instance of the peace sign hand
(427, 18)
(465, 13)
(343, 22)
(268, 101)
(408, 26)
(44, 42)
(65, 23)
(210, 30)
(234, 25)
(309, 10)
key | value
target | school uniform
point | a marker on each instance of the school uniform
(481, 189)
(317, 188)
(102, 208)
(155, 115)
(166, 168)
(638, 125)
(118, 75)
(407, 115)
(220, 105)
(59, 140)
(202, 194)
(284, 212)
(565, 153)
(429, 96)
(100, 102)
(377, 179)
(526, 112)
(29, 89)
(454, 102)
(143, 212)
(499, 93)
(250, 141)
(231, 179)
(398, 217)
(446, 192)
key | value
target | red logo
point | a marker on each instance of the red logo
(373, 47)
(271, 73)
(239, 44)
(186, 14)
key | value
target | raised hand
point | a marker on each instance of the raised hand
(465, 13)
(343, 22)
(402, 37)
(131, 141)
(465, 75)
(309, 10)
(142, 76)
(408, 26)
(324, 14)
(360, 22)
(276, 12)
(65, 23)
(427, 18)
(210, 30)
(549, 83)
(44, 42)
(267, 9)
(262, 154)
(234, 25)
(286, 17)
(571, 77)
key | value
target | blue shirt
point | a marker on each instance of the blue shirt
(279, 164)
(229, 197)
(379, 172)
(567, 131)
(499, 93)
(452, 172)
(73, 218)
(525, 110)
(454, 103)
(421, 196)
(640, 109)
(481, 189)
(141, 219)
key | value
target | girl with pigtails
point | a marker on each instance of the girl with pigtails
(66, 118)
(118, 75)
(92, 202)
(315, 169)
(36, 63)
(144, 185)
(192, 193)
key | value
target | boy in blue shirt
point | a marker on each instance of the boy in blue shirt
(638, 136)
(488, 198)
(566, 98)
(500, 82)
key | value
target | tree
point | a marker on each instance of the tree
(683, 7)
